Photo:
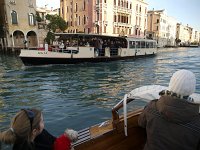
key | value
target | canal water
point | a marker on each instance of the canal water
(81, 95)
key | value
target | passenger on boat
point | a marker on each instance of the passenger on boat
(173, 122)
(98, 46)
(27, 132)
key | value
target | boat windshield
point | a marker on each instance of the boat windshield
(78, 39)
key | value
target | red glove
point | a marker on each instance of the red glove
(62, 143)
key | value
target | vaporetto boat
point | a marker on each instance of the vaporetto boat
(79, 48)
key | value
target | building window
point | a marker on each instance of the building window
(76, 7)
(14, 17)
(129, 31)
(115, 2)
(84, 5)
(104, 29)
(137, 8)
(136, 21)
(31, 19)
(139, 21)
(105, 15)
(118, 18)
(84, 20)
(79, 20)
(115, 18)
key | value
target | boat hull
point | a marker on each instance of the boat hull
(30, 61)
(111, 137)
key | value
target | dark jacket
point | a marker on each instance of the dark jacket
(23, 145)
(171, 124)
(44, 141)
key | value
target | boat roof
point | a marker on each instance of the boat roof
(85, 34)
(139, 39)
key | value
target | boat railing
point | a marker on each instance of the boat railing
(109, 52)
(70, 50)
(115, 114)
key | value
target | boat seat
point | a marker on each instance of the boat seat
(83, 136)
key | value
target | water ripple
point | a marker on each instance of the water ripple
(80, 95)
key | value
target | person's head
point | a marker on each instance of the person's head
(26, 125)
(183, 82)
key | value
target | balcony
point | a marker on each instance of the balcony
(122, 24)
(13, 2)
(122, 10)
(105, 23)
(96, 23)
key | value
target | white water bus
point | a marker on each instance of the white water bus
(72, 48)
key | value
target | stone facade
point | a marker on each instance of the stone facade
(184, 34)
(106, 17)
(161, 27)
(19, 24)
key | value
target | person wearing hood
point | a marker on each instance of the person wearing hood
(172, 122)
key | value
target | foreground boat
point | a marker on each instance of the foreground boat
(121, 132)
(79, 48)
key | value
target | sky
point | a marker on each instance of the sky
(184, 11)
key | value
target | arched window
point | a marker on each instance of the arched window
(14, 17)
(31, 19)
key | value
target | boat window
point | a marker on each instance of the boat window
(137, 43)
(142, 44)
(150, 44)
(154, 44)
(147, 44)
(131, 44)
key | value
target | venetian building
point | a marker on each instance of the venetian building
(161, 27)
(106, 17)
(18, 21)
(184, 33)
(194, 36)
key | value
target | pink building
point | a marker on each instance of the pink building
(113, 17)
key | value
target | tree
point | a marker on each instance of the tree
(177, 41)
(38, 18)
(55, 22)
(50, 37)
